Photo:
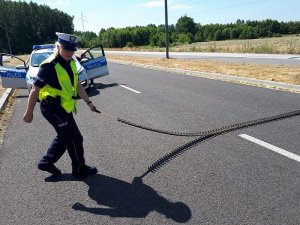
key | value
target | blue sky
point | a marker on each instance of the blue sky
(99, 14)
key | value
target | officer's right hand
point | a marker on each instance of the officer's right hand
(28, 117)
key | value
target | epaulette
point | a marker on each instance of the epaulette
(54, 61)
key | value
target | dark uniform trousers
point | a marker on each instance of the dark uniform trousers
(68, 135)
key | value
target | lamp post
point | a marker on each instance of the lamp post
(7, 36)
(167, 29)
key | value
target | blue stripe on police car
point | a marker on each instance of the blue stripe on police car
(12, 73)
(95, 64)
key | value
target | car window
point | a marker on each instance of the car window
(97, 53)
(11, 61)
(93, 53)
(87, 55)
(38, 58)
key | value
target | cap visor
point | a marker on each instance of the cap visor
(68, 47)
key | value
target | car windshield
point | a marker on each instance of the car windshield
(38, 58)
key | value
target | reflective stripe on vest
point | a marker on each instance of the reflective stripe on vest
(68, 93)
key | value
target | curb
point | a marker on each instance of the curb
(4, 98)
(215, 76)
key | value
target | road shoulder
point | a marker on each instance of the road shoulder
(4, 99)
(216, 76)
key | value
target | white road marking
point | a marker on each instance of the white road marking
(271, 147)
(130, 89)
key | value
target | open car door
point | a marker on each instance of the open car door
(94, 61)
(12, 76)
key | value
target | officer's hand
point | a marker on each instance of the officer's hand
(93, 108)
(28, 117)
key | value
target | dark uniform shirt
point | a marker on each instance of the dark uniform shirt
(47, 73)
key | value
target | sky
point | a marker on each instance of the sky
(92, 15)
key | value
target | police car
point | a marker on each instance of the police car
(92, 65)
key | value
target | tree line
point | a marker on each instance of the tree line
(25, 24)
(186, 31)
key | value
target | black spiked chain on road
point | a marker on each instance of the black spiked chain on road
(202, 136)
(215, 131)
(208, 135)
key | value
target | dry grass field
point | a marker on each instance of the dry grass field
(5, 116)
(278, 45)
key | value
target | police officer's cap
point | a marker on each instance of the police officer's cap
(67, 41)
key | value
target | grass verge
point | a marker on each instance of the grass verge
(278, 73)
(275, 45)
(6, 114)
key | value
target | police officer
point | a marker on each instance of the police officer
(57, 88)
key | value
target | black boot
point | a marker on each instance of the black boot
(49, 167)
(83, 171)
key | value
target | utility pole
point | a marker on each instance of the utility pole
(7, 36)
(167, 29)
(82, 18)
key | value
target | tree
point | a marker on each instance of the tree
(110, 38)
(4, 39)
(184, 38)
(158, 39)
(234, 33)
(29, 24)
(218, 36)
(240, 21)
(199, 36)
(186, 25)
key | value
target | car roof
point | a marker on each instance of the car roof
(43, 48)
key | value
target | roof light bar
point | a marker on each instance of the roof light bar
(38, 47)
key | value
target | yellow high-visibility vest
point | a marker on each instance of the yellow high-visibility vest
(68, 93)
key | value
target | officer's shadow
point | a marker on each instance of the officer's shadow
(95, 89)
(122, 199)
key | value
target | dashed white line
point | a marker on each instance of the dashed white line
(130, 89)
(271, 147)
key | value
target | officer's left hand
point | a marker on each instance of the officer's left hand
(28, 117)
(93, 108)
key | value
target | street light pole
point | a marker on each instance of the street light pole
(167, 29)
(7, 36)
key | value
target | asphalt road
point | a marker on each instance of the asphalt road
(277, 59)
(223, 180)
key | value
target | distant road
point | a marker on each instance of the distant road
(278, 59)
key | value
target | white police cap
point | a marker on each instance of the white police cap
(68, 41)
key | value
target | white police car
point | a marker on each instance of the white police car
(92, 65)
